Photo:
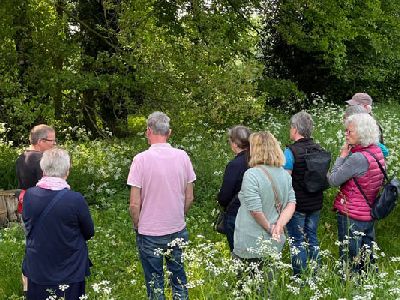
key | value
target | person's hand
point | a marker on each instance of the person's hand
(344, 152)
(276, 231)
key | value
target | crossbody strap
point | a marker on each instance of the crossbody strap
(46, 211)
(382, 170)
(230, 203)
(362, 192)
(379, 164)
(278, 204)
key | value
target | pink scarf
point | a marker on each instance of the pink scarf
(53, 183)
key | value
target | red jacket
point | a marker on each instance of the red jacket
(349, 201)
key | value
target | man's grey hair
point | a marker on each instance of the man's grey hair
(366, 128)
(158, 122)
(354, 109)
(39, 132)
(303, 122)
(55, 162)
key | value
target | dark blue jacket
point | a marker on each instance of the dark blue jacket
(56, 253)
(232, 183)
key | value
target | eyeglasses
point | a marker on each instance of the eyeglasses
(349, 131)
(52, 141)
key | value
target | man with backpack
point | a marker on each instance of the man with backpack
(308, 164)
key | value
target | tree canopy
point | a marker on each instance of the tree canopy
(94, 63)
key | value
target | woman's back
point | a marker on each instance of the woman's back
(56, 249)
(257, 195)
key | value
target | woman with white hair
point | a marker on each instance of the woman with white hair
(358, 109)
(357, 173)
(58, 224)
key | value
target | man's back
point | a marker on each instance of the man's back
(28, 169)
(162, 173)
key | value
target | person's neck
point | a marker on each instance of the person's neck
(35, 148)
(158, 139)
(238, 150)
(298, 137)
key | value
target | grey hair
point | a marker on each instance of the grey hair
(158, 122)
(55, 162)
(303, 122)
(39, 132)
(240, 136)
(354, 109)
(365, 127)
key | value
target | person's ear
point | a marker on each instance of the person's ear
(66, 176)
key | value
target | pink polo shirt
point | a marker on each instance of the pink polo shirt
(162, 172)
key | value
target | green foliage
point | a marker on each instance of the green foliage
(92, 64)
(136, 124)
(10, 262)
(334, 48)
(280, 91)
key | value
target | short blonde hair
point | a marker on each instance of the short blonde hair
(265, 150)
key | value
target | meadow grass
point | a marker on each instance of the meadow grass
(99, 172)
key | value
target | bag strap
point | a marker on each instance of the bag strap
(362, 192)
(224, 209)
(382, 170)
(231, 203)
(278, 204)
(379, 164)
(46, 211)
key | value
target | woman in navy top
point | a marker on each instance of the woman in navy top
(228, 194)
(56, 256)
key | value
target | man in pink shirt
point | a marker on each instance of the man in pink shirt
(161, 180)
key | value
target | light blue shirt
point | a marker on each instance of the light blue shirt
(257, 194)
(289, 159)
(384, 149)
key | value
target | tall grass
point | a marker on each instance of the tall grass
(99, 172)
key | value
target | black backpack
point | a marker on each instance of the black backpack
(317, 162)
(386, 200)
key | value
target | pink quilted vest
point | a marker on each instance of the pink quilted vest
(349, 201)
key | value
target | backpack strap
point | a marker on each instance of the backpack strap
(46, 211)
(291, 148)
(362, 192)
(379, 164)
(382, 170)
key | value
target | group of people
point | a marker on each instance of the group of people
(57, 221)
(262, 193)
(263, 190)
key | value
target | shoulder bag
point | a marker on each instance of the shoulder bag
(386, 200)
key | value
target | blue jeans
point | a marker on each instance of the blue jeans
(152, 250)
(229, 224)
(302, 230)
(355, 238)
